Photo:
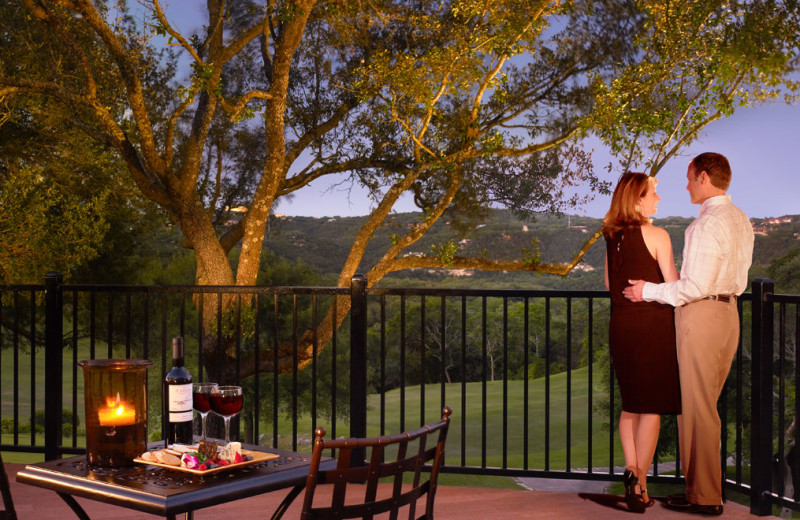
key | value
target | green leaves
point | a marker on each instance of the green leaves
(287, 11)
(45, 228)
(532, 256)
(445, 252)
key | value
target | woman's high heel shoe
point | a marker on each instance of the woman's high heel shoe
(650, 502)
(632, 498)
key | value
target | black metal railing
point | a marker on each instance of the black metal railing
(526, 372)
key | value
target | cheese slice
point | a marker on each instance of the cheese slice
(229, 451)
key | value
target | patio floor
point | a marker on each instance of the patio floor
(575, 500)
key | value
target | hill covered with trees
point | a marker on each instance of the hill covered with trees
(323, 244)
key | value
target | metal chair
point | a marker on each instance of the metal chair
(406, 461)
(9, 513)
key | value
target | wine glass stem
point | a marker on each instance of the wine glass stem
(227, 429)
(203, 421)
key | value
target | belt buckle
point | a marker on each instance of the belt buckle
(725, 298)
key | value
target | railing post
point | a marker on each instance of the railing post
(358, 362)
(53, 366)
(761, 398)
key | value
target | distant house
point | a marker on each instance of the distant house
(761, 230)
(779, 221)
(461, 272)
(464, 243)
(452, 272)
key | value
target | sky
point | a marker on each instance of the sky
(761, 143)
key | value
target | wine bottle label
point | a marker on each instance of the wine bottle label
(180, 403)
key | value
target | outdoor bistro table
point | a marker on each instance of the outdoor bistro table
(167, 492)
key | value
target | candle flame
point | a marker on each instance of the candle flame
(113, 403)
(116, 412)
(116, 404)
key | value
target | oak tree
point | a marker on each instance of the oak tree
(462, 104)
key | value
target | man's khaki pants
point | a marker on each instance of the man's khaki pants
(707, 336)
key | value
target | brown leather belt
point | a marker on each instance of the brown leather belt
(721, 298)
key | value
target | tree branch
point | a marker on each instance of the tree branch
(486, 264)
(128, 70)
(159, 12)
(234, 108)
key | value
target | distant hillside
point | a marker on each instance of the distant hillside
(324, 243)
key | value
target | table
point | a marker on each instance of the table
(168, 492)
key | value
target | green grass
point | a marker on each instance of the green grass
(579, 435)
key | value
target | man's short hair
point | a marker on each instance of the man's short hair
(716, 166)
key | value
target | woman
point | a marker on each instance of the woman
(641, 335)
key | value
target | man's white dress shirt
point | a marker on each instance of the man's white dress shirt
(716, 256)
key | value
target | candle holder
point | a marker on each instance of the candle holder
(115, 406)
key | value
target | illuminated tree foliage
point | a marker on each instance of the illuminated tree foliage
(462, 104)
(37, 220)
(62, 188)
(699, 61)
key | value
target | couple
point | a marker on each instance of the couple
(675, 363)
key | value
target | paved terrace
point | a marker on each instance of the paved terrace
(561, 499)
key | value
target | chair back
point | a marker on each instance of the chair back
(408, 453)
(5, 490)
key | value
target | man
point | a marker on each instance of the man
(717, 254)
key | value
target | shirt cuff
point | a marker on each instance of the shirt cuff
(650, 291)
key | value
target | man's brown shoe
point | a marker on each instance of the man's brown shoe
(679, 503)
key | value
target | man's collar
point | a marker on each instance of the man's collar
(716, 200)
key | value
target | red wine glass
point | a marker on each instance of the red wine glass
(227, 401)
(201, 400)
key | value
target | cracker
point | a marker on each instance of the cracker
(167, 458)
(148, 456)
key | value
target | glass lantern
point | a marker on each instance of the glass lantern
(115, 402)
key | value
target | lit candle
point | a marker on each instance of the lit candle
(117, 413)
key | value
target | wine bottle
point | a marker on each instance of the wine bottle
(178, 398)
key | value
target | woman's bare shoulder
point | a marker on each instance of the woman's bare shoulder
(655, 232)
(656, 238)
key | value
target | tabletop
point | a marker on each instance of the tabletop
(167, 492)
